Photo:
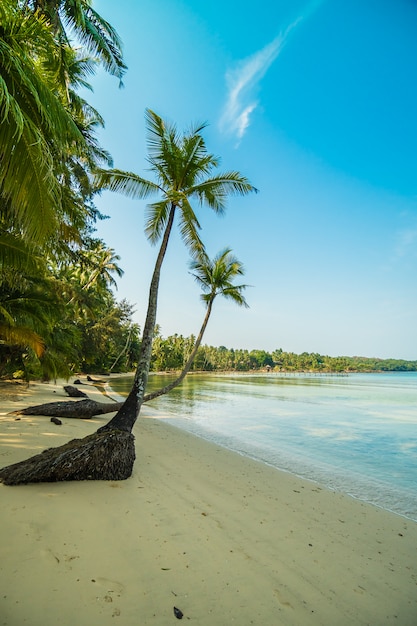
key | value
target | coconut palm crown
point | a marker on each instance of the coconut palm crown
(181, 167)
(215, 277)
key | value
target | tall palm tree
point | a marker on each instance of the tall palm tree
(215, 278)
(182, 167)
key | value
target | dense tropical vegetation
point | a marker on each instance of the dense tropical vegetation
(57, 310)
(171, 353)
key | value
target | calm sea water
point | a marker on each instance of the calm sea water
(355, 433)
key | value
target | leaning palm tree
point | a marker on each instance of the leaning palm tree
(182, 167)
(215, 278)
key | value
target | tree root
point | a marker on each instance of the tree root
(108, 455)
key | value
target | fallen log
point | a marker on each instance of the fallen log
(81, 409)
(108, 455)
(73, 392)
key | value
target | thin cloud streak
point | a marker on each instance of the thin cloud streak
(244, 80)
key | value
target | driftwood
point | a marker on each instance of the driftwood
(73, 392)
(81, 409)
(109, 455)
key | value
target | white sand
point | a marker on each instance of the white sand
(226, 539)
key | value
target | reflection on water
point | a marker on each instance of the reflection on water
(356, 433)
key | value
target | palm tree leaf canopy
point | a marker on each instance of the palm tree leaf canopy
(216, 276)
(183, 169)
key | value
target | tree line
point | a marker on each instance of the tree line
(170, 353)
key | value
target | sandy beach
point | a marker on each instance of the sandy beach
(225, 539)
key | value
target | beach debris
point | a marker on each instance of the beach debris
(56, 421)
(178, 613)
(73, 392)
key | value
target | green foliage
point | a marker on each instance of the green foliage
(169, 354)
(57, 311)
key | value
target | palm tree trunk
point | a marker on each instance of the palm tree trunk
(187, 366)
(123, 350)
(126, 417)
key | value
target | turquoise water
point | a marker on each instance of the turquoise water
(354, 433)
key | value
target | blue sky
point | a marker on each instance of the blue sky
(315, 102)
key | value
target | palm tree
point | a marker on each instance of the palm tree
(182, 167)
(215, 278)
(98, 264)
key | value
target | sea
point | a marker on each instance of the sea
(353, 433)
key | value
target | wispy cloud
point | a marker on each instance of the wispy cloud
(243, 81)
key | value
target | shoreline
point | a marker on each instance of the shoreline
(399, 498)
(225, 538)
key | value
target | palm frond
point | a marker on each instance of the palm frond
(105, 42)
(18, 254)
(157, 215)
(189, 227)
(22, 336)
(127, 183)
(215, 190)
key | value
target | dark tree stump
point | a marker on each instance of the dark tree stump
(73, 392)
(83, 409)
(109, 455)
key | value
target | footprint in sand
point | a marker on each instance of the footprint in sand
(282, 599)
(111, 586)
